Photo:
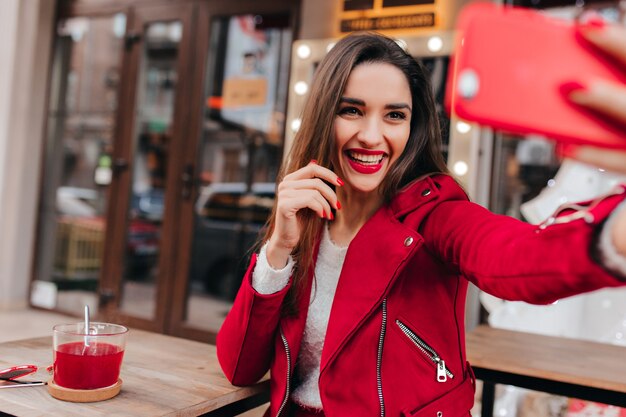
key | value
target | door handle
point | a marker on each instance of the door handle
(188, 180)
(105, 297)
(131, 39)
(119, 165)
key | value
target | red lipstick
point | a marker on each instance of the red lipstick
(363, 167)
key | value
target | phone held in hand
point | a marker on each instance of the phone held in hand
(511, 70)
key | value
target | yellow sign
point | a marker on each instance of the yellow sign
(419, 20)
(243, 92)
(390, 15)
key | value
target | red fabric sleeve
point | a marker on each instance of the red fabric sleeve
(514, 260)
(245, 342)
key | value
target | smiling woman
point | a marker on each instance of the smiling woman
(371, 128)
(362, 273)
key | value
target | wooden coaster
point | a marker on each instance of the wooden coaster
(84, 395)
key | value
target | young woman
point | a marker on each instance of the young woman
(356, 301)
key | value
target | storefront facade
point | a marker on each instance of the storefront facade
(142, 138)
(161, 129)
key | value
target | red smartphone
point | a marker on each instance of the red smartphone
(510, 69)
(17, 372)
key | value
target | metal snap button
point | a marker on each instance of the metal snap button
(408, 241)
(426, 192)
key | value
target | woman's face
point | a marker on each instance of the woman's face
(372, 124)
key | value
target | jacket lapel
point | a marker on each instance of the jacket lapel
(374, 259)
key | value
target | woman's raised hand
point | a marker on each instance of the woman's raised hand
(604, 97)
(306, 188)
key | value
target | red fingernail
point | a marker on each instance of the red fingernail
(338, 205)
(566, 89)
(566, 150)
(332, 216)
(593, 22)
(340, 181)
(313, 161)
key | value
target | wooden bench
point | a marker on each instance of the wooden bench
(572, 368)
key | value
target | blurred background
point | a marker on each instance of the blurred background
(140, 142)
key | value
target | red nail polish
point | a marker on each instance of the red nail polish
(338, 205)
(332, 216)
(571, 87)
(340, 181)
(566, 150)
(324, 215)
(592, 22)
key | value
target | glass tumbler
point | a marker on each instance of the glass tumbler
(91, 359)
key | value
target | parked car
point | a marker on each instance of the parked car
(228, 220)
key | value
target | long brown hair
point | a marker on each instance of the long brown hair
(315, 138)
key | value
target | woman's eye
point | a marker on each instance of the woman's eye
(397, 115)
(349, 111)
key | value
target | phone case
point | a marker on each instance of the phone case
(17, 372)
(511, 68)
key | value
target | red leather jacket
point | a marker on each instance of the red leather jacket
(395, 344)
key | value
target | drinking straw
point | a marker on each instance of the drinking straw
(86, 325)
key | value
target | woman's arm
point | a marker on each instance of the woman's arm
(514, 260)
(245, 342)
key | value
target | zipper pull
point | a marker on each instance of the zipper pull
(441, 371)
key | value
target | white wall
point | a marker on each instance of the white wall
(25, 47)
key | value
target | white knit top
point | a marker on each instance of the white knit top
(327, 269)
(267, 280)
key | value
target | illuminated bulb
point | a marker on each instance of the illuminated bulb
(401, 43)
(463, 127)
(303, 51)
(460, 168)
(295, 124)
(330, 46)
(301, 88)
(435, 44)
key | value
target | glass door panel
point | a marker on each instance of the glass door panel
(81, 126)
(157, 83)
(238, 156)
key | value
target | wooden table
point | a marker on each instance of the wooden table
(569, 367)
(162, 376)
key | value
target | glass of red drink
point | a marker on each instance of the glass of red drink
(88, 360)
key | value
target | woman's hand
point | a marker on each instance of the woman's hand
(302, 189)
(604, 97)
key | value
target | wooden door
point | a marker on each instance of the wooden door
(143, 238)
(232, 155)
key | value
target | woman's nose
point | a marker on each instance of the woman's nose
(371, 132)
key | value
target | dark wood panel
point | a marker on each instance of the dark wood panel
(67, 8)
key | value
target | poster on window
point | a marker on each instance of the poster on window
(250, 74)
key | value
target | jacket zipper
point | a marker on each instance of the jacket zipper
(443, 373)
(288, 353)
(381, 341)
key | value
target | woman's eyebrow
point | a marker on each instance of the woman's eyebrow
(397, 106)
(350, 100)
(359, 102)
